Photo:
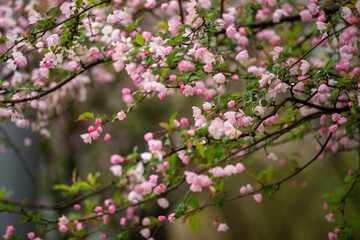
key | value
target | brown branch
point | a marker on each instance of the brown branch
(59, 85)
(181, 12)
(53, 26)
(297, 171)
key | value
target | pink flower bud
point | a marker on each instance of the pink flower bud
(231, 104)
(98, 121)
(165, 165)
(333, 128)
(258, 197)
(77, 207)
(107, 137)
(148, 136)
(172, 77)
(103, 236)
(161, 218)
(91, 129)
(123, 221)
(31, 235)
(184, 122)
(112, 209)
(191, 132)
(326, 207)
(161, 96)
(125, 91)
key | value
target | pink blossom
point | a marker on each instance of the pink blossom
(111, 209)
(119, 16)
(240, 167)
(323, 89)
(223, 227)
(63, 228)
(67, 9)
(304, 67)
(53, 40)
(154, 145)
(31, 235)
(217, 172)
(230, 169)
(121, 115)
(86, 137)
(146, 221)
(163, 202)
(123, 221)
(116, 159)
(172, 218)
(259, 110)
(326, 207)
(231, 31)
(276, 52)
(330, 217)
(19, 59)
(219, 78)
(333, 128)
(332, 236)
(145, 233)
(231, 103)
(77, 207)
(9, 231)
(242, 56)
(103, 236)
(258, 197)
(116, 170)
(161, 218)
(272, 156)
(34, 16)
(305, 15)
(216, 128)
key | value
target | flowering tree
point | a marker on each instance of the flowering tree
(298, 63)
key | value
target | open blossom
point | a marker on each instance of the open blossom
(19, 59)
(53, 40)
(67, 8)
(219, 78)
(305, 15)
(276, 52)
(119, 16)
(223, 227)
(121, 115)
(163, 202)
(242, 56)
(9, 231)
(258, 197)
(304, 67)
(197, 181)
(86, 137)
(216, 128)
(34, 16)
(116, 170)
(323, 89)
(265, 79)
(63, 220)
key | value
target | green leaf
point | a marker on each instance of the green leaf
(86, 115)
(172, 118)
(55, 11)
(194, 203)
(266, 176)
(139, 39)
(200, 148)
(263, 103)
(43, 22)
(194, 222)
